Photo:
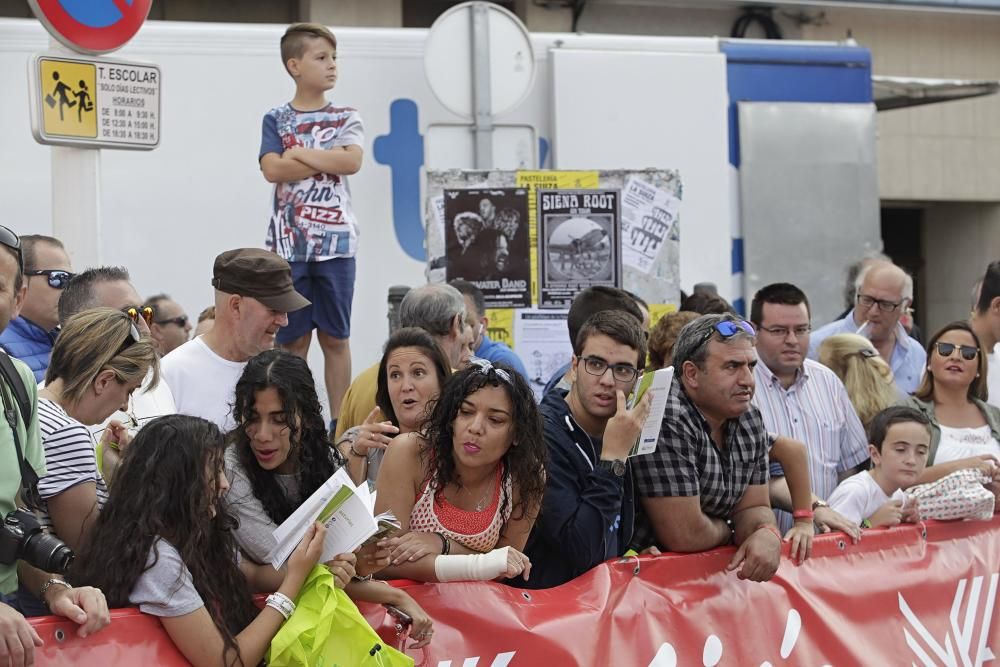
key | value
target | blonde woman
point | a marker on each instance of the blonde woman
(866, 376)
(98, 360)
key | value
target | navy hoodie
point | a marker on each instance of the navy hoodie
(587, 513)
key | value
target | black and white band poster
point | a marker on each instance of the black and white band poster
(579, 238)
(486, 243)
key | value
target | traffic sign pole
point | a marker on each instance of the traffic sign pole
(76, 199)
(76, 203)
(95, 27)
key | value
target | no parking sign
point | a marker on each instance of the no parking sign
(92, 26)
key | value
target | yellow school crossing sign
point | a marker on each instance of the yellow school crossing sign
(96, 102)
(68, 98)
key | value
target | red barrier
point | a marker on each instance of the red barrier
(922, 595)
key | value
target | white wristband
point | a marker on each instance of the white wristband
(471, 567)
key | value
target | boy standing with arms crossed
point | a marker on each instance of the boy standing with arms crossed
(308, 148)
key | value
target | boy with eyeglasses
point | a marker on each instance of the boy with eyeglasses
(589, 505)
(31, 335)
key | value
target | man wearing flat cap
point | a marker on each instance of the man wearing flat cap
(253, 296)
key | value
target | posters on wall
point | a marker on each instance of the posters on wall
(486, 243)
(579, 238)
(649, 219)
(542, 342)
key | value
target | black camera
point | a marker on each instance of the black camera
(22, 538)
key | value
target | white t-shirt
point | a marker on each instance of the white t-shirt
(859, 496)
(69, 457)
(993, 375)
(202, 382)
(963, 443)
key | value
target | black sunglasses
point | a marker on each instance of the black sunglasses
(12, 241)
(969, 352)
(57, 278)
(180, 321)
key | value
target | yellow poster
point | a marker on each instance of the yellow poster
(549, 180)
(501, 326)
(67, 98)
(658, 310)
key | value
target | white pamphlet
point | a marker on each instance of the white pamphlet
(658, 383)
(346, 510)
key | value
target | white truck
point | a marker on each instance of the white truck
(775, 143)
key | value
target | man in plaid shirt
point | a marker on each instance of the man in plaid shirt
(706, 484)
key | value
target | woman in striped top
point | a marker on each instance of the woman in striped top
(98, 360)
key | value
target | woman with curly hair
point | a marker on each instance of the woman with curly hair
(468, 486)
(410, 376)
(164, 542)
(279, 455)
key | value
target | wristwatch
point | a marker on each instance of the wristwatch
(819, 503)
(616, 466)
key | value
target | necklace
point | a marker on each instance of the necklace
(484, 501)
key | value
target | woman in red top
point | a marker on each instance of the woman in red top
(468, 486)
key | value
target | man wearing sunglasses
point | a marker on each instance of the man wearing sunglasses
(111, 287)
(706, 484)
(170, 327)
(31, 335)
(884, 293)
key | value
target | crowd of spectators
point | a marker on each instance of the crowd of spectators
(174, 458)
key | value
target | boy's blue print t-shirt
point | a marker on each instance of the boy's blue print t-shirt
(312, 219)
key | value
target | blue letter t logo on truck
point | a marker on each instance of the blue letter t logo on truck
(402, 150)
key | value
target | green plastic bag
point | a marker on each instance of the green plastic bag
(327, 630)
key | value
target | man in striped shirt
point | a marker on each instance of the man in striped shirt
(804, 400)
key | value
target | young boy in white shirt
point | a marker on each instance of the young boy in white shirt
(899, 438)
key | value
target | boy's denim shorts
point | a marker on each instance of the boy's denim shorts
(330, 287)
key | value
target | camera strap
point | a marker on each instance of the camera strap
(13, 380)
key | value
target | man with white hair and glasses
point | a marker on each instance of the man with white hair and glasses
(885, 292)
(706, 484)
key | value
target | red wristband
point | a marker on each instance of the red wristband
(771, 528)
(802, 514)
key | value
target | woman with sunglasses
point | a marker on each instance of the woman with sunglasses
(98, 360)
(410, 376)
(467, 487)
(965, 430)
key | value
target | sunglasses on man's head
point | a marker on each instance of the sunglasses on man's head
(57, 278)
(969, 352)
(136, 312)
(727, 329)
